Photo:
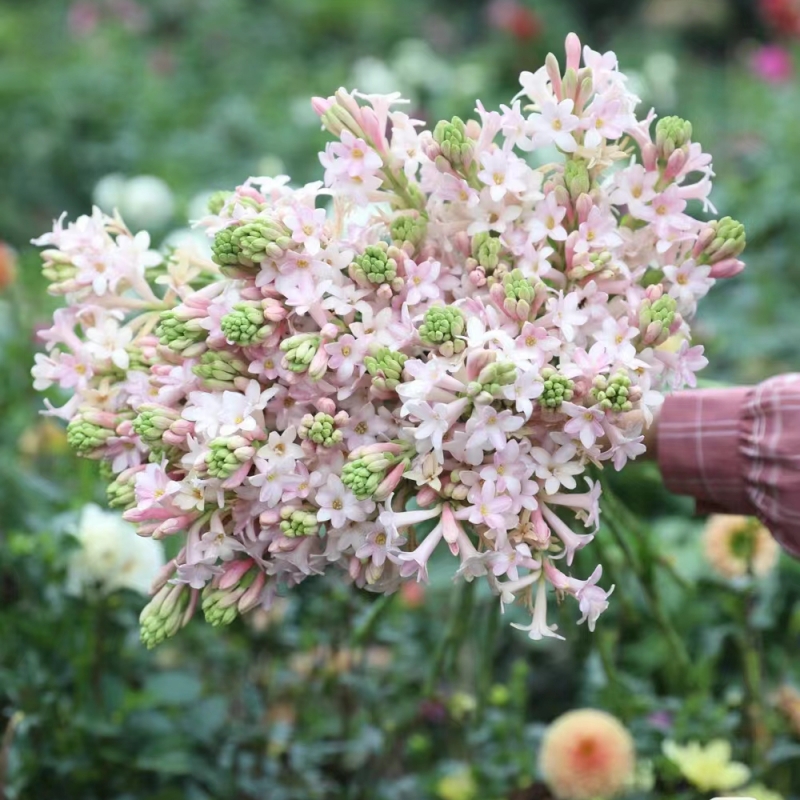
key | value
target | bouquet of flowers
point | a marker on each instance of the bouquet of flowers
(453, 328)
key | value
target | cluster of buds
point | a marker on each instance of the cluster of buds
(249, 244)
(442, 329)
(658, 318)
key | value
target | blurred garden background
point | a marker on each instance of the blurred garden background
(151, 105)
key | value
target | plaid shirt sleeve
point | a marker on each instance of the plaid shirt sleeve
(737, 451)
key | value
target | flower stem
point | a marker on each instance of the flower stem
(366, 627)
(448, 645)
(752, 675)
(681, 663)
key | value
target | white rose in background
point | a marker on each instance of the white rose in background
(111, 554)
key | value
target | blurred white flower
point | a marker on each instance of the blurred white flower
(302, 114)
(660, 71)
(419, 67)
(146, 202)
(270, 166)
(471, 78)
(188, 239)
(197, 207)
(108, 192)
(637, 84)
(373, 76)
(111, 554)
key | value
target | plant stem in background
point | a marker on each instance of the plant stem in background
(450, 642)
(749, 643)
(5, 749)
(681, 664)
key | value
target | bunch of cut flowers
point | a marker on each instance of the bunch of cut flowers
(431, 349)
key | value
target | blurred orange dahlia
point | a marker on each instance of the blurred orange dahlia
(735, 545)
(586, 754)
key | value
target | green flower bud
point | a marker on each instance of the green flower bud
(517, 287)
(576, 177)
(612, 393)
(377, 265)
(299, 350)
(222, 606)
(672, 133)
(136, 359)
(486, 250)
(217, 612)
(219, 368)
(164, 615)
(454, 144)
(84, 437)
(729, 240)
(557, 388)
(441, 327)
(226, 455)
(178, 334)
(245, 325)
(320, 429)
(250, 244)
(386, 367)
(217, 201)
(298, 522)
(663, 310)
(364, 475)
(152, 421)
(59, 274)
(408, 232)
(493, 377)
(655, 320)
(120, 493)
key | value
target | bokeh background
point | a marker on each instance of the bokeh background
(150, 105)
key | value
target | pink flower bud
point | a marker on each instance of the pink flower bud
(319, 365)
(233, 572)
(329, 331)
(573, 47)
(557, 578)
(478, 360)
(650, 157)
(320, 105)
(251, 598)
(654, 292)
(390, 482)
(477, 277)
(554, 73)
(378, 447)
(726, 268)
(675, 164)
(384, 292)
(583, 205)
(326, 405)
(269, 517)
(426, 496)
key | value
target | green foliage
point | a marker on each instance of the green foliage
(334, 693)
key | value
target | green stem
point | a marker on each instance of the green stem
(752, 674)
(462, 607)
(366, 627)
(682, 662)
(486, 647)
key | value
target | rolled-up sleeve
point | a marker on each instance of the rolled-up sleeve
(737, 451)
